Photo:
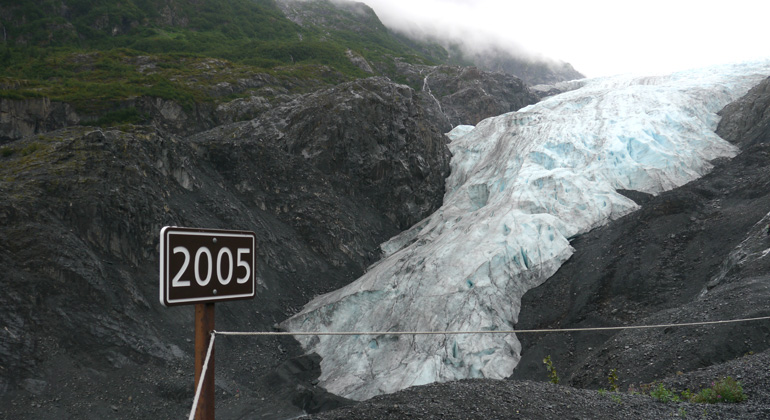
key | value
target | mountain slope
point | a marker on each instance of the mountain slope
(80, 213)
(102, 57)
(116, 61)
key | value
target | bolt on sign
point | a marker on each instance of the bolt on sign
(206, 265)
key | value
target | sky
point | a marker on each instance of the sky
(599, 38)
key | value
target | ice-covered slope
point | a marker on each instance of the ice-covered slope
(521, 185)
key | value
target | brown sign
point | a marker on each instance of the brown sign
(206, 265)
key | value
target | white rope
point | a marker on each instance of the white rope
(203, 376)
(350, 333)
(547, 330)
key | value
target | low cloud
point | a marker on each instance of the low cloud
(453, 21)
(598, 37)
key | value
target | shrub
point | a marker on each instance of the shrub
(727, 390)
(552, 376)
(613, 380)
(663, 394)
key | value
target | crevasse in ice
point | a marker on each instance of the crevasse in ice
(521, 185)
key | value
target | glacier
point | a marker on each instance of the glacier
(521, 185)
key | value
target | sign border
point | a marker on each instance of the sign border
(164, 274)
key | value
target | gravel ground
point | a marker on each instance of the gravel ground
(490, 399)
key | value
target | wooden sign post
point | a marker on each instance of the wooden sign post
(203, 266)
(204, 325)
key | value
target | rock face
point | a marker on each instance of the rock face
(747, 122)
(371, 136)
(690, 254)
(332, 15)
(467, 95)
(80, 213)
(532, 71)
(19, 118)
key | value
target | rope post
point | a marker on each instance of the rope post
(204, 325)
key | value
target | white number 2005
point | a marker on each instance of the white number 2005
(204, 252)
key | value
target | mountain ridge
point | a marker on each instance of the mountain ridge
(110, 59)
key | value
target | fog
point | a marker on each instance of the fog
(597, 37)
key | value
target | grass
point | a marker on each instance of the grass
(96, 81)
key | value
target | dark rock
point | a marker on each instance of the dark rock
(19, 118)
(371, 136)
(321, 181)
(295, 374)
(638, 197)
(747, 121)
(467, 95)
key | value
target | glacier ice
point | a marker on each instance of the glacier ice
(521, 185)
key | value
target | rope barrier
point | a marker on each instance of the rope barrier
(203, 376)
(352, 333)
(547, 330)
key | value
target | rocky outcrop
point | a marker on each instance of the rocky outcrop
(172, 117)
(747, 121)
(332, 15)
(25, 117)
(359, 61)
(467, 95)
(80, 211)
(372, 135)
(21, 118)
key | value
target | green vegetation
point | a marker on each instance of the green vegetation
(553, 377)
(726, 390)
(663, 394)
(613, 380)
(95, 54)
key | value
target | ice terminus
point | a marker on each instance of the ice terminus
(521, 185)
